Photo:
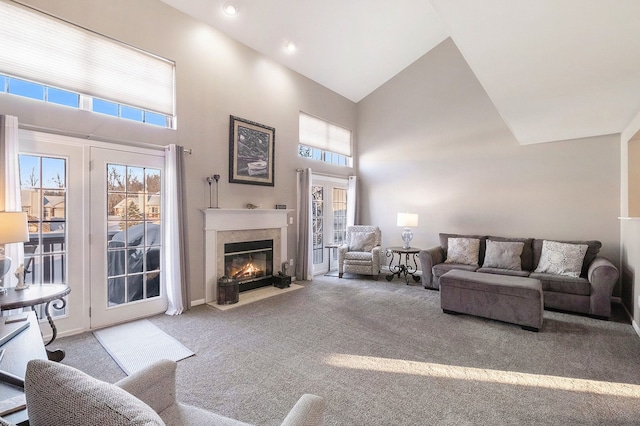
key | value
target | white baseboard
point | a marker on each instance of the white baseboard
(635, 327)
(197, 302)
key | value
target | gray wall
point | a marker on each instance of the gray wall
(431, 142)
(216, 77)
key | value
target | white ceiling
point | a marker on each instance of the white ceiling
(555, 70)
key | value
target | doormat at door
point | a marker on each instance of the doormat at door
(138, 344)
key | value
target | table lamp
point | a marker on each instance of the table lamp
(13, 229)
(407, 220)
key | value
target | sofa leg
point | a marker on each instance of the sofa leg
(340, 275)
(447, 311)
(527, 328)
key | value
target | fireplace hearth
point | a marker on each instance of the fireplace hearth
(250, 263)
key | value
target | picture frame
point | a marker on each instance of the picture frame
(251, 152)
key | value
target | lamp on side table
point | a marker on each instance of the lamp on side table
(13, 229)
(407, 220)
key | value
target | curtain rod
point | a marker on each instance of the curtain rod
(90, 136)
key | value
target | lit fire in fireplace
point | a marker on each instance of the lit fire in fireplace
(246, 270)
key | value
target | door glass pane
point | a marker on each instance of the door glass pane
(317, 206)
(339, 215)
(133, 233)
(43, 184)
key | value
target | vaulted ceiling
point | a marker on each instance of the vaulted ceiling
(555, 70)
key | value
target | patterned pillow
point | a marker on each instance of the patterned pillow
(463, 250)
(561, 258)
(503, 255)
(362, 241)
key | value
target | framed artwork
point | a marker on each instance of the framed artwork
(251, 152)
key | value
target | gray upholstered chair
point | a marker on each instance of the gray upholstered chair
(361, 252)
(61, 395)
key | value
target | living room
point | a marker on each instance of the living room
(429, 141)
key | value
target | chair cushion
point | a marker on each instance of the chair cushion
(184, 414)
(362, 241)
(358, 255)
(61, 395)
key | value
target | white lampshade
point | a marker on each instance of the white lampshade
(13, 227)
(407, 219)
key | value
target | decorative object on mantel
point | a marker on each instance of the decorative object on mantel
(251, 152)
(13, 229)
(407, 220)
(281, 206)
(254, 206)
(210, 179)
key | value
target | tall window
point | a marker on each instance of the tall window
(43, 183)
(339, 215)
(317, 208)
(324, 141)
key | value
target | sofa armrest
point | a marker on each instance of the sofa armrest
(429, 258)
(154, 385)
(308, 411)
(603, 276)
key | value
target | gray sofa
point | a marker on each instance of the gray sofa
(590, 293)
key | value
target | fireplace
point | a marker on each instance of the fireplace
(224, 226)
(250, 263)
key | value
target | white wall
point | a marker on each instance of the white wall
(216, 77)
(630, 227)
(431, 142)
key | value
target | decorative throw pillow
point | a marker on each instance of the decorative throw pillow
(561, 258)
(362, 241)
(503, 255)
(463, 250)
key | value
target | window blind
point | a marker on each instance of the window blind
(37, 47)
(323, 135)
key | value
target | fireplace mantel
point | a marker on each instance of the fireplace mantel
(222, 220)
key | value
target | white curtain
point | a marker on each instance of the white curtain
(304, 261)
(352, 191)
(175, 225)
(10, 199)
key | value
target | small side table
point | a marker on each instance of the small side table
(38, 294)
(404, 267)
(330, 246)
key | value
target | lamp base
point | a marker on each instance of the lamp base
(407, 236)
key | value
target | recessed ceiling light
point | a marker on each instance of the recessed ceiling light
(230, 9)
(290, 46)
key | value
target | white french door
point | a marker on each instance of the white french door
(51, 176)
(126, 235)
(329, 218)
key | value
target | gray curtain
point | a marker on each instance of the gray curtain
(176, 247)
(304, 258)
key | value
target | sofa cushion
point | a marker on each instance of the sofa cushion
(527, 251)
(442, 268)
(464, 251)
(592, 252)
(444, 243)
(561, 258)
(503, 255)
(362, 241)
(563, 284)
(61, 395)
(365, 256)
(504, 272)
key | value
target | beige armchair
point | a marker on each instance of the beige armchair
(361, 252)
(61, 395)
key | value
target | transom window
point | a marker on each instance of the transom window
(324, 141)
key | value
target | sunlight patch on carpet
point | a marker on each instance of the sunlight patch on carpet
(138, 344)
(401, 366)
